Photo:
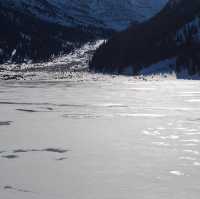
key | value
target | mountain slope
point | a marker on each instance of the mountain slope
(39, 29)
(152, 41)
(109, 14)
(25, 37)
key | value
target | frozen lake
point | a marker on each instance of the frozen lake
(100, 138)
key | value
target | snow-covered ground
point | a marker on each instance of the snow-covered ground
(99, 137)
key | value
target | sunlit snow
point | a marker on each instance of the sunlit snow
(104, 137)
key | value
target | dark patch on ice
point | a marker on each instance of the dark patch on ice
(197, 119)
(16, 189)
(53, 150)
(27, 110)
(112, 106)
(19, 103)
(12, 77)
(20, 151)
(2, 69)
(5, 123)
(27, 103)
(10, 156)
(61, 159)
(43, 104)
(45, 109)
(194, 120)
(74, 105)
(8, 187)
(82, 116)
(2, 152)
(49, 108)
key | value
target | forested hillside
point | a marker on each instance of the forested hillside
(171, 33)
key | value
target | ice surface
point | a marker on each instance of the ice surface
(99, 137)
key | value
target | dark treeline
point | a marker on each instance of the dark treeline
(152, 41)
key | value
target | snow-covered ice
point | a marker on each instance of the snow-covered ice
(99, 137)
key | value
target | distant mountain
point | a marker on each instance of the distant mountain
(39, 29)
(25, 37)
(174, 33)
(109, 14)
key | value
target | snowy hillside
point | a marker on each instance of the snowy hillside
(57, 68)
(100, 13)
